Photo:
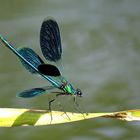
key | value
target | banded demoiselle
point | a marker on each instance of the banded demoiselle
(50, 43)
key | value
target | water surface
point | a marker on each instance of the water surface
(101, 44)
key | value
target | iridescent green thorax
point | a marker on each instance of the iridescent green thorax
(69, 89)
(66, 86)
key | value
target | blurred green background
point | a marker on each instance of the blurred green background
(101, 46)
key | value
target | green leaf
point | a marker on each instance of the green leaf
(10, 117)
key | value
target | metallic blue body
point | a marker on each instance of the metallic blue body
(50, 79)
(56, 82)
(50, 43)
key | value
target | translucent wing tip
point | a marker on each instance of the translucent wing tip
(49, 18)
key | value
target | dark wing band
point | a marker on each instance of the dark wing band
(50, 40)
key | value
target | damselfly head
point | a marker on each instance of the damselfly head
(79, 92)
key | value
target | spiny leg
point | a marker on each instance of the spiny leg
(61, 107)
(51, 101)
(77, 106)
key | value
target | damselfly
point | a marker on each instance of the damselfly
(50, 43)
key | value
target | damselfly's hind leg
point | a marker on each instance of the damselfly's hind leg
(61, 107)
(50, 104)
(50, 109)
